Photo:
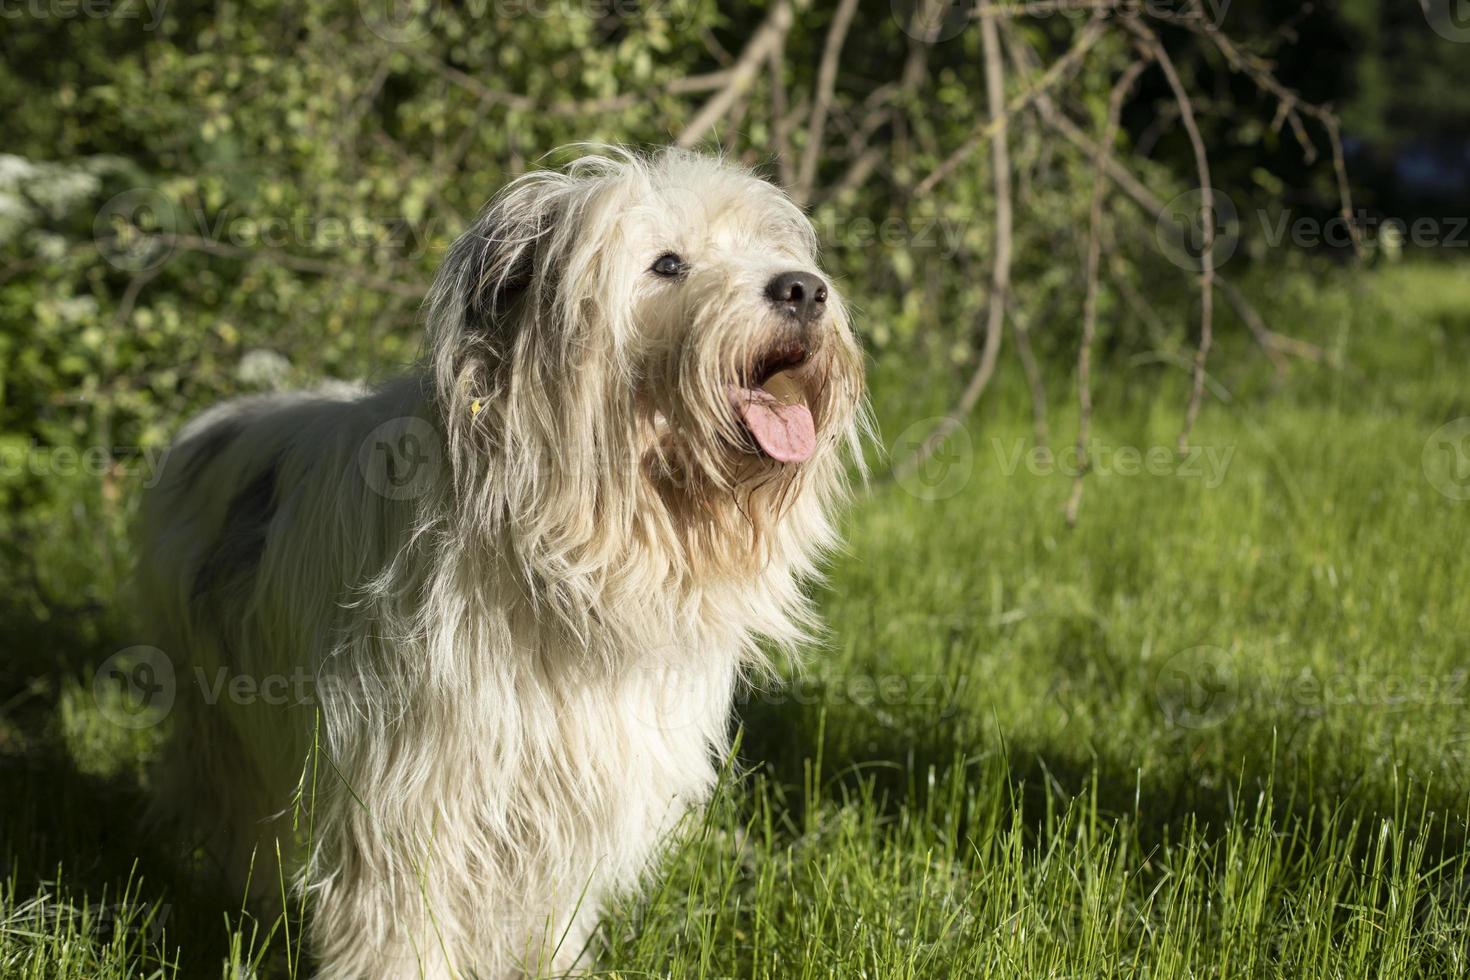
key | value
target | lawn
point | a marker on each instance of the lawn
(1221, 728)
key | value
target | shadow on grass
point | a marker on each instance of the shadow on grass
(72, 829)
(62, 823)
(1207, 780)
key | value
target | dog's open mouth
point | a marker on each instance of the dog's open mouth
(773, 406)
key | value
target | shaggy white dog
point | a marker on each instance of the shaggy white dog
(523, 584)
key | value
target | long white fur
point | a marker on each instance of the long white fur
(523, 672)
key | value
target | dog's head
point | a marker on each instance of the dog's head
(640, 332)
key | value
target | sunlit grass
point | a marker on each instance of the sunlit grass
(1222, 728)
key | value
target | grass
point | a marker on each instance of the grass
(1220, 729)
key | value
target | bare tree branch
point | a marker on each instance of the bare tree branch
(915, 66)
(1000, 279)
(1035, 384)
(997, 122)
(687, 85)
(1120, 91)
(822, 99)
(780, 131)
(766, 38)
(1291, 107)
(1149, 41)
(300, 263)
(1272, 343)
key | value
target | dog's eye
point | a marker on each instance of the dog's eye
(669, 266)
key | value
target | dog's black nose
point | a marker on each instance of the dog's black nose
(800, 294)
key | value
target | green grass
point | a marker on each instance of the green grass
(1220, 729)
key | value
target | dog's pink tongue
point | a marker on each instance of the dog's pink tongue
(785, 432)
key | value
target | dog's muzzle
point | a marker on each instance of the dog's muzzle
(771, 401)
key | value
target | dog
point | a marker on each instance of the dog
(524, 582)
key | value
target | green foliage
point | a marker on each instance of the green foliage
(200, 203)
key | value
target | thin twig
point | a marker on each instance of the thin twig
(997, 122)
(1290, 106)
(1000, 280)
(299, 263)
(915, 67)
(1137, 302)
(767, 36)
(1116, 97)
(1035, 384)
(822, 99)
(687, 85)
(130, 296)
(1149, 41)
(780, 132)
(1271, 342)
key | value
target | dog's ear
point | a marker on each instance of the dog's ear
(488, 277)
(493, 264)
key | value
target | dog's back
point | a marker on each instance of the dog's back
(241, 616)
